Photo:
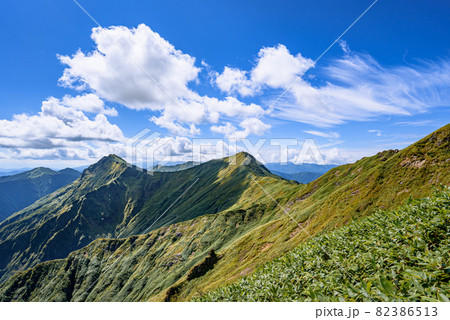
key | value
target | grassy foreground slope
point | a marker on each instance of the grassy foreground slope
(21, 190)
(252, 231)
(401, 255)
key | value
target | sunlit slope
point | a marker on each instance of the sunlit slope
(400, 255)
(383, 181)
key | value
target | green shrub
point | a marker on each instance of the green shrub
(401, 255)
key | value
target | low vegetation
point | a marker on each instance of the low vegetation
(400, 255)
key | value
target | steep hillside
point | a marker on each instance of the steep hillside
(112, 199)
(401, 255)
(164, 264)
(176, 167)
(21, 190)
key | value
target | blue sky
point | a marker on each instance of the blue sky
(385, 85)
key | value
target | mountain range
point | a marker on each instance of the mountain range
(120, 234)
(302, 173)
(21, 190)
(301, 177)
(11, 172)
(292, 168)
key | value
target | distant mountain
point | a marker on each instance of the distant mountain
(302, 173)
(301, 177)
(292, 168)
(81, 169)
(175, 167)
(160, 247)
(21, 190)
(12, 172)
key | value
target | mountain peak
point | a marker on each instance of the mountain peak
(39, 171)
(69, 171)
(23, 189)
(107, 167)
(243, 158)
(115, 158)
(112, 158)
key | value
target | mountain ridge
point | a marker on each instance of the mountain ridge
(23, 189)
(252, 231)
(111, 199)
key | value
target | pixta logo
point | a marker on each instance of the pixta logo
(148, 150)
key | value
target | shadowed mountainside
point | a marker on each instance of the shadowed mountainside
(21, 190)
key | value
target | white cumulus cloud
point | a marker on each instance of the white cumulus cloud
(88, 102)
(249, 126)
(275, 68)
(141, 70)
(132, 69)
(58, 131)
(233, 80)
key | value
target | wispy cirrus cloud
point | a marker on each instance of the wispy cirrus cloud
(421, 123)
(331, 135)
(360, 89)
(376, 131)
(356, 88)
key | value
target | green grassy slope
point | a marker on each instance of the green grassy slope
(252, 231)
(401, 255)
(21, 190)
(112, 199)
(176, 167)
(383, 181)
